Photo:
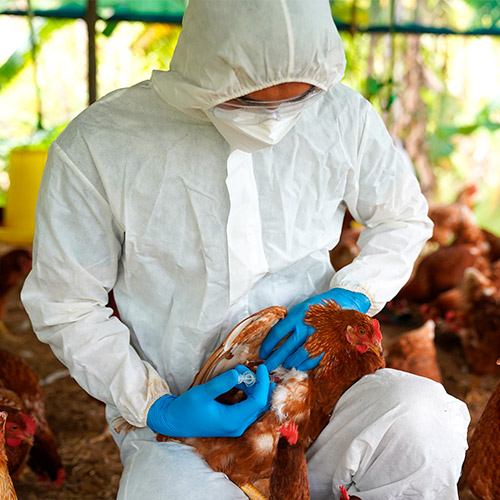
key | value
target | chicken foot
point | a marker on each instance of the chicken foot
(252, 493)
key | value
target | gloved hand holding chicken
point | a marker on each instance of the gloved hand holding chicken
(196, 413)
(291, 353)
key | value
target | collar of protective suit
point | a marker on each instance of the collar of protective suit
(229, 48)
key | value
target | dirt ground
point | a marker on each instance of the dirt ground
(88, 452)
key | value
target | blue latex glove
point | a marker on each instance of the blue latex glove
(292, 353)
(196, 413)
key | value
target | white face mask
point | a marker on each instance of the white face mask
(250, 132)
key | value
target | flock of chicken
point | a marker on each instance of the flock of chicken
(455, 287)
(454, 290)
(25, 436)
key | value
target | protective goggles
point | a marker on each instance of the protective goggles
(248, 111)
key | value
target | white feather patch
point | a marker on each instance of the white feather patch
(290, 390)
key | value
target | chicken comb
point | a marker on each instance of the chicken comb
(376, 329)
(290, 432)
(29, 423)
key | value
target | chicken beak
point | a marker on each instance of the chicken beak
(377, 349)
(28, 439)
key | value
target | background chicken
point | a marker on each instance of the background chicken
(481, 467)
(14, 265)
(480, 334)
(20, 431)
(289, 468)
(440, 271)
(18, 377)
(7, 491)
(450, 219)
(352, 345)
(415, 352)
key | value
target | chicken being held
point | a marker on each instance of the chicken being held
(415, 352)
(481, 468)
(7, 491)
(289, 468)
(14, 266)
(351, 342)
(18, 377)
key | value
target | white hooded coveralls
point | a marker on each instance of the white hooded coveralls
(140, 195)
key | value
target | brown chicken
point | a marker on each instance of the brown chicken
(18, 377)
(450, 219)
(440, 271)
(447, 309)
(14, 266)
(289, 468)
(20, 431)
(352, 345)
(415, 352)
(481, 468)
(479, 336)
(7, 491)
(494, 243)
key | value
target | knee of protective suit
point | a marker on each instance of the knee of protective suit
(422, 445)
(392, 435)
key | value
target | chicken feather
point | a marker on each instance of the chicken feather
(481, 467)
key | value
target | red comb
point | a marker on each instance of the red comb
(290, 432)
(376, 328)
(30, 424)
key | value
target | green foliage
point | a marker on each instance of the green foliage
(22, 55)
(442, 142)
(486, 12)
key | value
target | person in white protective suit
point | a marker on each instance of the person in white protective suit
(206, 194)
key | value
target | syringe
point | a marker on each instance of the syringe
(247, 378)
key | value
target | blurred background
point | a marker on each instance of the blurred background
(431, 67)
(432, 70)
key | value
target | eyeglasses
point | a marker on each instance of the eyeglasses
(249, 102)
(245, 109)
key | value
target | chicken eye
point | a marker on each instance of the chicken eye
(362, 332)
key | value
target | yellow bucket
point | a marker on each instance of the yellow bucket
(25, 173)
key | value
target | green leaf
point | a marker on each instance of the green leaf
(20, 57)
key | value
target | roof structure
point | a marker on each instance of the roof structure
(464, 17)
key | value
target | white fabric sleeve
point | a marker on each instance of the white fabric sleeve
(75, 258)
(383, 195)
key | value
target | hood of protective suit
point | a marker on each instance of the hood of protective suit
(229, 48)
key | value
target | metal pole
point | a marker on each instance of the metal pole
(90, 19)
(34, 51)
